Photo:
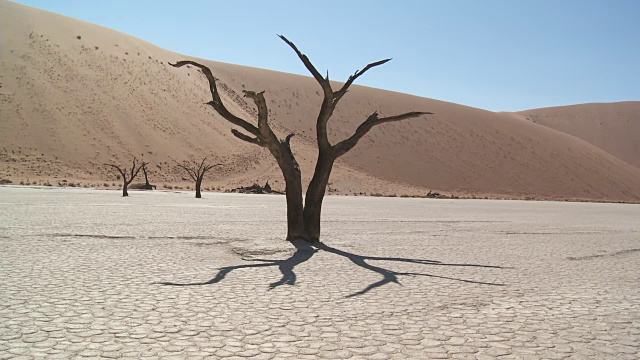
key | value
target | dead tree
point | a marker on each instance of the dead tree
(146, 177)
(303, 221)
(128, 174)
(147, 185)
(196, 171)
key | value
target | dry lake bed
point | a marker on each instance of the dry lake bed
(87, 273)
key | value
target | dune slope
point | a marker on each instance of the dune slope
(613, 127)
(76, 95)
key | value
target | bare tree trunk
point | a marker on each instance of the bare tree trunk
(295, 209)
(125, 185)
(293, 188)
(146, 178)
(198, 185)
(315, 195)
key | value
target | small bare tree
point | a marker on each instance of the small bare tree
(147, 185)
(128, 174)
(303, 221)
(196, 171)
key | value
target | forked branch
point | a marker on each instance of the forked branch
(262, 135)
(331, 100)
(133, 172)
(324, 82)
(196, 170)
(343, 90)
(263, 111)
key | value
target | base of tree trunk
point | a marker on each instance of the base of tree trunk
(303, 245)
(303, 238)
(297, 238)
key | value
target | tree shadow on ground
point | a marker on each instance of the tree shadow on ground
(305, 251)
(390, 276)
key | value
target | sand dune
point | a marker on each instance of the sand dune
(613, 127)
(76, 95)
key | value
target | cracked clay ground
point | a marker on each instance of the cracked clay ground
(87, 273)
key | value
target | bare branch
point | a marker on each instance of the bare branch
(331, 98)
(326, 86)
(202, 164)
(209, 167)
(216, 103)
(345, 145)
(343, 90)
(305, 60)
(133, 175)
(263, 111)
(328, 103)
(133, 167)
(287, 145)
(117, 168)
(186, 166)
(247, 138)
(287, 140)
(196, 170)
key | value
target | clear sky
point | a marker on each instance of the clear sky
(500, 55)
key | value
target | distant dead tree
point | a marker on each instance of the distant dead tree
(128, 174)
(303, 221)
(146, 185)
(196, 171)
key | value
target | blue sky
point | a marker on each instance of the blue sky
(496, 55)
